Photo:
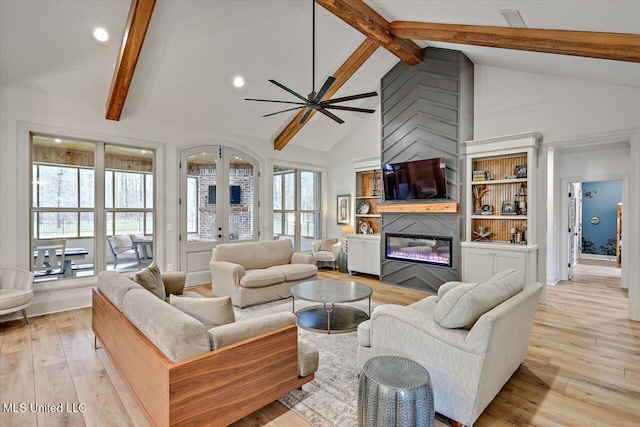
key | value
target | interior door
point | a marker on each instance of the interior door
(573, 230)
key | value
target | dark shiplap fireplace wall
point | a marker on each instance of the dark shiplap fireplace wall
(427, 112)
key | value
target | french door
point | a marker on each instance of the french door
(218, 204)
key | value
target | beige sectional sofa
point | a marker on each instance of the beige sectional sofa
(182, 373)
(256, 272)
(471, 338)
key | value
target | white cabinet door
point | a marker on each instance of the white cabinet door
(477, 265)
(372, 257)
(356, 255)
(504, 260)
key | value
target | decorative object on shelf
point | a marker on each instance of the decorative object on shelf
(508, 208)
(374, 184)
(595, 220)
(364, 208)
(521, 199)
(479, 192)
(486, 210)
(479, 176)
(520, 171)
(342, 204)
(482, 233)
(510, 176)
(364, 227)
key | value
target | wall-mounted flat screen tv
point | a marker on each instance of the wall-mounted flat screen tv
(418, 179)
(235, 195)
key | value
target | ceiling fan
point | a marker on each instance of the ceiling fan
(314, 101)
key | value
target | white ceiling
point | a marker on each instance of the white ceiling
(194, 49)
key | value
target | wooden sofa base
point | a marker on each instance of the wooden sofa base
(213, 389)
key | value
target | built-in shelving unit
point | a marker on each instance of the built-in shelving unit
(368, 196)
(501, 206)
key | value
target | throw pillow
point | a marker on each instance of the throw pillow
(210, 312)
(463, 305)
(327, 245)
(151, 279)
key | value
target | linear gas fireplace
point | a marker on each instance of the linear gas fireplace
(419, 248)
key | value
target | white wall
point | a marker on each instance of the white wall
(23, 109)
(363, 141)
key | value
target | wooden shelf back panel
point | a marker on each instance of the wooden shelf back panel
(498, 168)
(449, 207)
(500, 230)
(499, 193)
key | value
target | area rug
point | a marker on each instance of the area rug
(331, 399)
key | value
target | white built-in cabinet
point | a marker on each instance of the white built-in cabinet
(364, 253)
(501, 227)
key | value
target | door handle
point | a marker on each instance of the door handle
(219, 236)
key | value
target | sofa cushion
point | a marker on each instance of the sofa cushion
(324, 256)
(222, 336)
(446, 287)
(255, 255)
(115, 285)
(210, 312)
(151, 279)
(178, 335)
(261, 278)
(308, 359)
(293, 272)
(461, 306)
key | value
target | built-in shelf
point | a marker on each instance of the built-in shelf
(450, 207)
(368, 215)
(498, 217)
(368, 197)
(499, 181)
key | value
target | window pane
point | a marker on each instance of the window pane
(290, 223)
(310, 224)
(309, 190)
(289, 191)
(57, 224)
(109, 223)
(58, 187)
(192, 204)
(277, 192)
(277, 223)
(129, 223)
(34, 186)
(86, 224)
(108, 189)
(149, 191)
(149, 223)
(129, 190)
(87, 188)
(240, 199)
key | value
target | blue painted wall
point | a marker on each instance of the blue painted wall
(600, 199)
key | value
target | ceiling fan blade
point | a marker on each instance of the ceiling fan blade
(289, 90)
(349, 98)
(325, 87)
(330, 115)
(304, 116)
(341, 107)
(283, 111)
(271, 100)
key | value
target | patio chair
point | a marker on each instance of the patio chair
(47, 261)
(122, 249)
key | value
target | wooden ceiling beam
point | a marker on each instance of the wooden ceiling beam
(140, 13)
(369, 22)
(342, 74)
(613, 46)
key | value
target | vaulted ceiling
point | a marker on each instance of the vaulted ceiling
(194, 49)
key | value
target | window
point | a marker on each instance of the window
(65, 208)
(296, 206)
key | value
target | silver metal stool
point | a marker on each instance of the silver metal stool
(395, 391)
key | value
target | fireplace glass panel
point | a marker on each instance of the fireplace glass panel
(418, 248)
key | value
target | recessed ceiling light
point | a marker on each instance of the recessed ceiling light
(57, 140)
(238, 81)
(101, 34)
(513, 18)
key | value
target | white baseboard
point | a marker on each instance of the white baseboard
(54, 301)
(611, 258)
(552, 282)
(198, 278)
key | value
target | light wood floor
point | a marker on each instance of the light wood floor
(583, 366)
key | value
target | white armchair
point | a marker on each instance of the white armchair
(326, 250)
(16, 291)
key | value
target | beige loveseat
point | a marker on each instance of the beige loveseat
(182, 373)
(256, 272)
(471, 338)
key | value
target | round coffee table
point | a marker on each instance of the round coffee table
(330, 317)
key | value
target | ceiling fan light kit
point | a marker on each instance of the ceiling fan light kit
(314, 101)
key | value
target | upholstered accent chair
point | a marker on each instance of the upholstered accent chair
(471, 338)
(16, 291)
(326, 250)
